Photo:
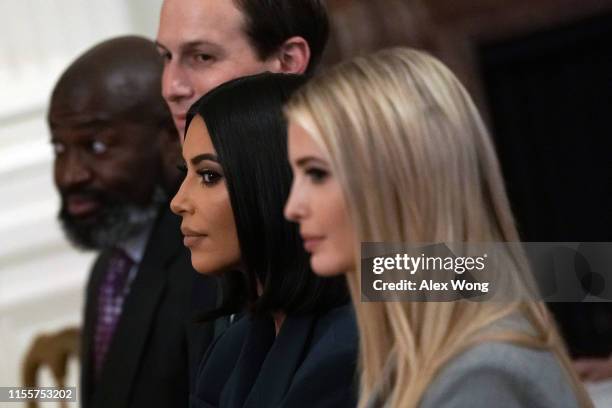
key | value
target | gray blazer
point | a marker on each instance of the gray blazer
(500, 375)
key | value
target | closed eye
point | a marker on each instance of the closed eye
(163, 52)
(166, 56)
(316, 175)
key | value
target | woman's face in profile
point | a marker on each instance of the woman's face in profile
(204, 204)
(316, 202)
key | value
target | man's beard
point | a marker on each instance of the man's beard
(116, 221)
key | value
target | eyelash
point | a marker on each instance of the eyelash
(204, 174)
(202, 58)
(209, 173)
(317, 176)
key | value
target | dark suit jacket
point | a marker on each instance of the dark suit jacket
(310, 364)
(156, 347)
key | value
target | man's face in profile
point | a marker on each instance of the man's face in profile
(203, 44)
(106, 169)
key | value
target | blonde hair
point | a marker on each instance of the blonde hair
(416, 164)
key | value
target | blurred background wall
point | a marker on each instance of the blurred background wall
(540, 70)
(41, 275)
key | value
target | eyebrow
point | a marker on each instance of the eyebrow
(204, 156)
(305, 160)
(187, 45)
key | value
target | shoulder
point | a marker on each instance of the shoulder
(503, 375)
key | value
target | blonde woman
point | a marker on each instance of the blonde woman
(390, 148)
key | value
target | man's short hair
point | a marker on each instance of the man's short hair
(269, 23)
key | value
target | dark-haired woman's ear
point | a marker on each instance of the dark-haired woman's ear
(294, 56)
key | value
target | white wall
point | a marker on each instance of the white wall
(41, 275)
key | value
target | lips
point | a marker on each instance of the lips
(180, 117)
(81, 206)
(179, 122)
(311, 242)
(193, 240)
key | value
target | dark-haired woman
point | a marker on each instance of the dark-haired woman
(297, 344)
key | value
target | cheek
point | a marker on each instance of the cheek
(57, 171)
(226, 71)
(125, 182)
(347, 244)
(219, 252)
(229, 247)
(165, 82)
(337, 254)
(209, 79)
(204, 84)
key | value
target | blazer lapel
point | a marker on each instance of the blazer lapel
(128, 344)
(282, 362)
(257, 343)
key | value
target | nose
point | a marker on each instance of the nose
(176, 85)
(71, 171)
(295, 209)
(180, 204)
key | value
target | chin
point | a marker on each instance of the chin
(327, 266)
(207, 264)
(180, 128)
(204, 266)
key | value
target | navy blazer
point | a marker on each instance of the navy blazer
(311, 363)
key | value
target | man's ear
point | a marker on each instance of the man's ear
(294, 56)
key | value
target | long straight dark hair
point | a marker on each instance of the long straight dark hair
(248, 129)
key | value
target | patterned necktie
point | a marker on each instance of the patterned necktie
(111, 294)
